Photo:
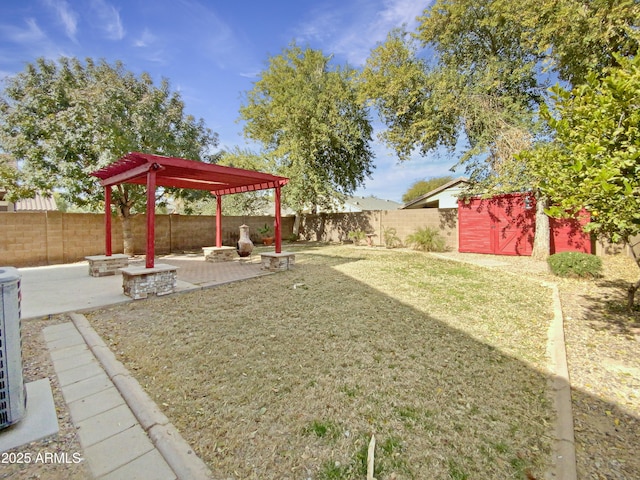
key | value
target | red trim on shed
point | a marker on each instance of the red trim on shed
(159, 171)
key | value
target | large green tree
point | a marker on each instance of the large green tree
(62, 120)
(473, 77)
(247, 203)
(593, 161)
(306, 114)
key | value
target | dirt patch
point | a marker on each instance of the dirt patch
(37, 365)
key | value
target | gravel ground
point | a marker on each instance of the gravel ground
(603, 347)
(36, 365)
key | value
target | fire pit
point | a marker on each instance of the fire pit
(245, 245)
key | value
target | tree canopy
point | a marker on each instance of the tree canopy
(62, 120)
(474, 75)
(307, 116)
(247, 203)
(420, 187)
(593, 159)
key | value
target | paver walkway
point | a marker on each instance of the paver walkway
(115, 445)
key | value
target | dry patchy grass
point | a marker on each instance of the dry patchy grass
(287, 376)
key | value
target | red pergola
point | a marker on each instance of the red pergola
(158, 171)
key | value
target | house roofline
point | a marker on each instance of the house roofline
(435, 191)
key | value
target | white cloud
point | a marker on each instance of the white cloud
(109, 19)
(353, 31)
(29, 35)
(145, 40)
(66, 15)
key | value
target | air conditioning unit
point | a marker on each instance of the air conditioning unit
(13, 394)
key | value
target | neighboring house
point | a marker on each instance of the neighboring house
(445, 196)
(36, 204)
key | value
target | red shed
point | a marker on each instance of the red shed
(505, 225)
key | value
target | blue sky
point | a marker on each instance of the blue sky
(212, 51)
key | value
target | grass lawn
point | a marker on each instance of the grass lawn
(288, 375)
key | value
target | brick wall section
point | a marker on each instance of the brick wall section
(48, 238)
(83, 234)
(336, 227)
(23, 239)
(192, 232)
(55, 236)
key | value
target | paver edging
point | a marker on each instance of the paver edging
(165, 437)
(566, 466)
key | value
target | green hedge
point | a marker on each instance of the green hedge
(575, 264)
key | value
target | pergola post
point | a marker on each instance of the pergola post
(151, 216)
(107, 222)
(278, 222)
(218, 221)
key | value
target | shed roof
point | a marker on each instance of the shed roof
(182, 173)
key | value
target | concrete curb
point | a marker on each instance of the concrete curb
(165, 437)
(566, 467)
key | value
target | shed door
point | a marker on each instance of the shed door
(514, 225)
(502, 225)
(474, 227)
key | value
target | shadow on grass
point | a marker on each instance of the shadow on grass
(287, 376)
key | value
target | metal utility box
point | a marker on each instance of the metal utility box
(13, 395)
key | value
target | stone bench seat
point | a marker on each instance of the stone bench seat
(103, 265)
(141, 282)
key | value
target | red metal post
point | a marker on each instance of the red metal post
(278, 225)
(151, 217)
(218, 221)
(107, 221)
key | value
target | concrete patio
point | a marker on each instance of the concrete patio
(56, 289)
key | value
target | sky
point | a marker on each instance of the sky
(212, 51)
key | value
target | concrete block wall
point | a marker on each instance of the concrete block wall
(192, 232)
(48, 238)
(231, 228)
(83, 234)
(406, 222)
(336, 227)
(23, 239)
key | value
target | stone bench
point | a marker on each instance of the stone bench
(103, 265)
(140, 282)
(219, 254)
(277, 262)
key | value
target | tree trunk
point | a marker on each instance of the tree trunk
(633, 288)
(542, 238)
(631, 294)
(127, 235)
(296, 225)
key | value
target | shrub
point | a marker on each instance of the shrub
(427, 239)
(356, 236)
(390, 236)
(575, 264)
